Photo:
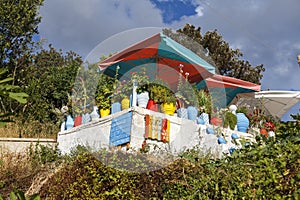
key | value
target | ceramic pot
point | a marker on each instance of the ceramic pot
(182, 113)
(205, 118)
(125, 103)
(242, 122)
(94, 115)
(169, 108)
(69, 122)
(77, 120)
(142, 99)
(216, 121)
(86, 118)
(115, 107)
(192, 112)
(152, 105)
(104, 112)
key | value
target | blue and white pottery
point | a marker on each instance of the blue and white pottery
(182, 113)
(242, 122)
(234, 136)
(221, 140)
(200, 121)
(192, 112)
(69, 122)
(115, 107)
(210, 130)
(86, 118)
(205, 118)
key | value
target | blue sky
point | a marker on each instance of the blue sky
(267, 32)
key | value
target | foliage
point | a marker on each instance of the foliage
(8, 91)
(19, 195)
(49, 82)
(19, 21)
(226, 59)
(230, 120)
(204, 101)
(104, 91)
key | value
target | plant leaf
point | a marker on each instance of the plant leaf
(20, 96)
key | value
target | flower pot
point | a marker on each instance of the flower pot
(115, 107)
(221, 140)
(86, 118)
(63, 126)
(94, 115)
(182, 113)
(169, 108)
(200, 121)
(77, 120)
(216, 121)
(242, 122)
(192, 112)
(152, 105)
(69, 122)
(142, 99)
(204, 117)
(125, 103)
(104, 112)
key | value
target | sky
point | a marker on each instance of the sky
(267, 32)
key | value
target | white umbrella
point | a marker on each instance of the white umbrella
(278, 102)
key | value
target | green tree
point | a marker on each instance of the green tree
(19, 23)
(216, 51)
(49, 82)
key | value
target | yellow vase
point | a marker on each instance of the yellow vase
(125, 103)
(169, 108)
(104, 112)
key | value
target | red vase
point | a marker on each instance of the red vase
(216, 121)
(152, 105)
(77, 120)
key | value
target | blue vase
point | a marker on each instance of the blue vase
(86, 118)
(242, 122)
(115, 107)
(182, 113)
(192, 112)
(221, 140)
(204, 117)
(200, 121)
(69, 122)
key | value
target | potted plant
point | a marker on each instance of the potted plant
(169, 102)
(103, 94)
(142, 95)
(205, 106)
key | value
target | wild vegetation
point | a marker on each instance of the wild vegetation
(268, 169)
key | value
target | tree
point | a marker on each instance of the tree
(19, 21)
(49, 82)
(217, 52)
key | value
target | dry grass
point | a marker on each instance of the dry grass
(32, 129)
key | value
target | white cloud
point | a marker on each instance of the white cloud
(199, 11)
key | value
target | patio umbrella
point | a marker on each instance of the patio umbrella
(162, 57)
(224, 89)
(278, 102)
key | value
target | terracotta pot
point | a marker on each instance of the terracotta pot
(216, 121)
